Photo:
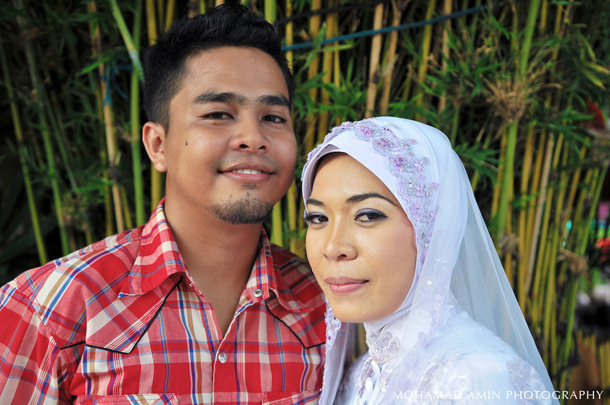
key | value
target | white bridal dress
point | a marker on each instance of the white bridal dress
(459, 337)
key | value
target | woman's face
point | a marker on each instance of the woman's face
(360, 243)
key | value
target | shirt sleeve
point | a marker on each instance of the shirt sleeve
(32, 365)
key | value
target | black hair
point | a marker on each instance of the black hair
(226, 25)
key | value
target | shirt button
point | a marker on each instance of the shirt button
(222, 357)
(258, 292)
(190, 284)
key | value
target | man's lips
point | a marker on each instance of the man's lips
(345, 285)
(248, 172)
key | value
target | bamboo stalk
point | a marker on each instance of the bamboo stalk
(151, 22)
(514, 126)
(156, 178)
(445, 54)
(111, 145)
(50, 155)
(136, 155)
(292, 195)
(126, 35)
(125, 205)
(327, 68)
(500, 175)
(389, 62)
(425, 51)
(292, 216)
(42, 251)
(169, 14)
(99, 101)
(530, 240)
(111, 141)
(541, 269)
(573, 288)
(312, 71)
(374, 63)
(523, 245)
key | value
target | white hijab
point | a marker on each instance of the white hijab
(457, 264)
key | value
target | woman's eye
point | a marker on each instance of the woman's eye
(218, 115)
(274, 119)
(315, 219)
(370, 216)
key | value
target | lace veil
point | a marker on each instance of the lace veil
(457, 264)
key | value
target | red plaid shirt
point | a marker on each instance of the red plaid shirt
(121, 322)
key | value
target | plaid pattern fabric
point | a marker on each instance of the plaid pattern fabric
(121, 322)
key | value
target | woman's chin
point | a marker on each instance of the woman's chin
(356, 313)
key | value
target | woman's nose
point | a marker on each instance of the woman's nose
(339, 246)
(250, 136)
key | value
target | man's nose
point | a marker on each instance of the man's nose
(250, 136)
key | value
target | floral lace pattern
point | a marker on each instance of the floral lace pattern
(332, 327)
(385, 348)
(525, 379)
(448, 381)
(403, 164)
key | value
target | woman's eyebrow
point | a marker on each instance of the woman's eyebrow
(313, 201)
(361, 197)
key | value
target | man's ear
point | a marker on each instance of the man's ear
(153, 136)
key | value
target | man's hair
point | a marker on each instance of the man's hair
(226, 25)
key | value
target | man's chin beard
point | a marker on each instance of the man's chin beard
(243, 212)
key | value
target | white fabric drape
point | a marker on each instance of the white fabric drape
(459, 282)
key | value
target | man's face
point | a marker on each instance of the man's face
(230, 148)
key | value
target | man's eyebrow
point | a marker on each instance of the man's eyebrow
(361, 197)
(313, 201)
(274, 100)
(220, 97)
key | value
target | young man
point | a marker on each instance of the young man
(195, 306)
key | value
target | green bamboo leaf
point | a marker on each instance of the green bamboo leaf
(597, 68)
(584, 43)
(93, 66)
(594, 79)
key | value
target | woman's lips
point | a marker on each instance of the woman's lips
(345, 285)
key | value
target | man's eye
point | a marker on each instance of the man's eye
(315, 219)
(275, 119)
(218, 115)
(370, 216)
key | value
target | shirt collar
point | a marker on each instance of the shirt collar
(159, 258)
(266, 276)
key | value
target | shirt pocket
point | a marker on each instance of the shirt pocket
(290, 398)
(135, 399)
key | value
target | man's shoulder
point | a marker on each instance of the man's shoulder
(62, 289)
(107, 258)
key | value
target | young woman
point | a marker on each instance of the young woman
(397, 241)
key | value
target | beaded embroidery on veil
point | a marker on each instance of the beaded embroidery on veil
(456, 258)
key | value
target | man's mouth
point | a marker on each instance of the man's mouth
(247, 171)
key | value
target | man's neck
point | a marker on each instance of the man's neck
(219, 255)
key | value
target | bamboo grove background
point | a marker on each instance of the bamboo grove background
(512, 84)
